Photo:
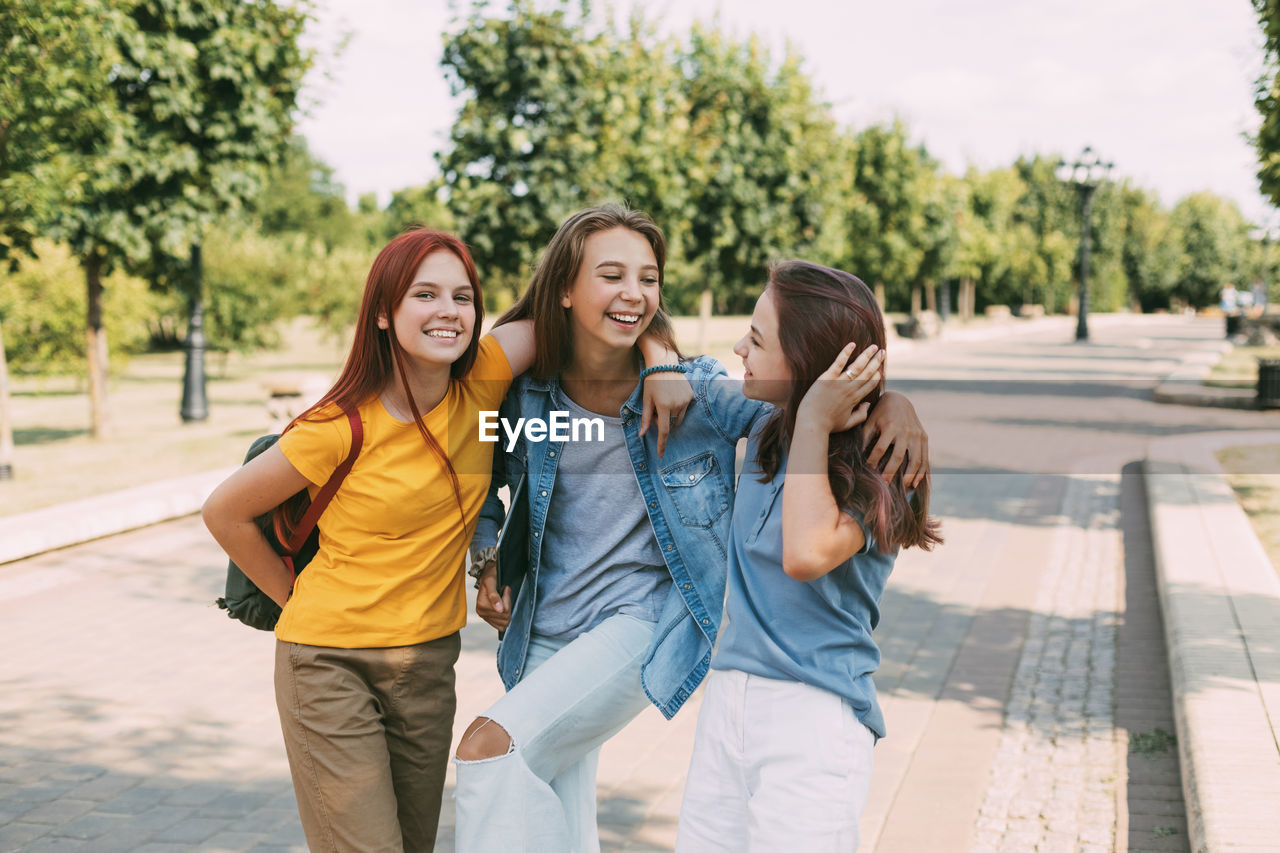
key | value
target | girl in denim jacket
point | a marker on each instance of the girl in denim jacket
(782, 755)
(627, 540)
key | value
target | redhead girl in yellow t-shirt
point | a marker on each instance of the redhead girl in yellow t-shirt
(368, 636)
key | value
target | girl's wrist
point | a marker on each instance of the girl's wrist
(674, 367)
(811, 426)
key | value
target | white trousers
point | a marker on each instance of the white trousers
(541, 796)
(777, 766)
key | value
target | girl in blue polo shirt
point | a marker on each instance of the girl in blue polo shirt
(782, 756)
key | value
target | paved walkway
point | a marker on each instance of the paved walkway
(1021, 678)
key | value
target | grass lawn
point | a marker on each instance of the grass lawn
(1254, 474)
(1239, 368)
(56, 460)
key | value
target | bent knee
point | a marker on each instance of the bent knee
(483, 739)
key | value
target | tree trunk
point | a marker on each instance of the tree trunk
(96, 345)
(931, 298)
(967, 301)
(915, 299)
(6, 425)
(195, 402)
(880, 295)
(704, 322)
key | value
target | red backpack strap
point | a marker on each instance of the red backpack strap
(317, 508)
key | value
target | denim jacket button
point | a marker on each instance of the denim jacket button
(706, 621)
(639, 466)
(669, 547)
(535, 534)
(688, 586)
(653, 504)
(551, 453)
(544, 493)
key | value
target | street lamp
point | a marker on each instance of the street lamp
(1086, 174)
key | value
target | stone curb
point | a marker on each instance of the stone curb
(1220, 597)
(1185, 385)
(29, 533)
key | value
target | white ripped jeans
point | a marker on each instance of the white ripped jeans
(776, 766)
(574, 696)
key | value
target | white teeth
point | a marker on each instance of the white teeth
(626, 318)
(441, 333)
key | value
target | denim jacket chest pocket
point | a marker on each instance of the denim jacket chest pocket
(698, 489)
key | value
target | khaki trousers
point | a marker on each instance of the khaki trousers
(367, 732)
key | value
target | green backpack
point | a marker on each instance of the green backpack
(290, 529)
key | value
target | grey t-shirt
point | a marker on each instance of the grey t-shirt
(599, 553)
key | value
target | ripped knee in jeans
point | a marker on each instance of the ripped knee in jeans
(484, 739)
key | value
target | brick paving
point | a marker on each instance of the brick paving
(1053, 782)
(1023, 678)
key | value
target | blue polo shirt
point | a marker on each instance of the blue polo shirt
(816, 632)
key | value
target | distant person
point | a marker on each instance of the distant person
(1230, 303)
(368, 637)
(783, 752)
(1260, 296)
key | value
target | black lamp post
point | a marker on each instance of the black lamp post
(1086, 174)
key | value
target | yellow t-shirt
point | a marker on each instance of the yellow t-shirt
(392, 541)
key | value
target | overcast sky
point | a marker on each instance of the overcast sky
(1161, 87)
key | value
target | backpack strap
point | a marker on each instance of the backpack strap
(317, 508)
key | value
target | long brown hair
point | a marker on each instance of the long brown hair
(819, 311)
(553, 333)
(376, 353)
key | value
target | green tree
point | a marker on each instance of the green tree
(205, 92)
(888, 226)
(43, 302)
(732, 154)
(763, 165)
(1213, 237)
(211, 87)
(418, 205)
(301, 196)
(523, 151)
(988, 253)
(58, 55)
(1149, 254)
(57, 60)
(1267, 99)
(1051, 212)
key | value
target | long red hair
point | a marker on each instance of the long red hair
(375, 352)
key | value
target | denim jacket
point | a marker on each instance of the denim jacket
(689, 497)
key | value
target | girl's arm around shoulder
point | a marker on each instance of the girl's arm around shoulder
(893, 423)
(517, 342)
(666, 395)
(817, 535)
(262, 484)
(731, 412)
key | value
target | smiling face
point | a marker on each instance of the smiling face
(768, 376)
(615, 292)
(436, 318)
